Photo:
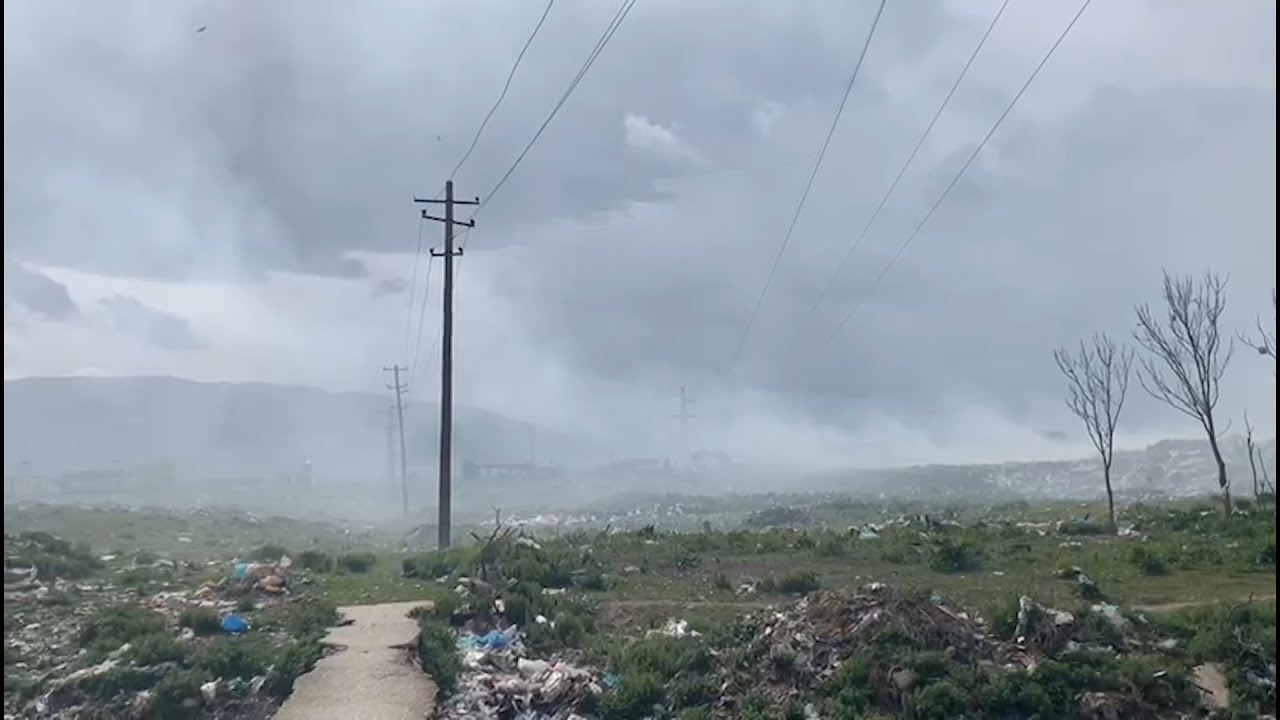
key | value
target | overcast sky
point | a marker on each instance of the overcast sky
(235, 204)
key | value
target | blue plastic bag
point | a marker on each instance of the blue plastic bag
(234, 624)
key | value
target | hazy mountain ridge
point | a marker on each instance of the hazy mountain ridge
(73, 424)
(1169, 468)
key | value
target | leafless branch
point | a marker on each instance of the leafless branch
(1187, 354)
(1097, 382)
(1097, 376)
(1265, 341)
(1188, 357)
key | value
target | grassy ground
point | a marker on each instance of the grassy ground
(1183, 554)
(617, 583)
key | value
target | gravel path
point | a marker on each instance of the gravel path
(370, 678)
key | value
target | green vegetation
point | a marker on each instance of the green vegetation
(52, 557)
(357, 562)
(111, 627)
(438, 653)
(201, 620)
(599, 595)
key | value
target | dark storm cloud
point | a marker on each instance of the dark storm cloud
(290, 134)
(156, 327)
(1055, 233)
(287, 134)
(36, 292)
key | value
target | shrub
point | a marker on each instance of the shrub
(315, 561)
(721, 582)
(111, 627)
(309, 618)
(954, 556)
(117, 681)
(593, 581)
(201, 620)
(432, 565)
(51, 556)
(658, 670)
(1147, 560)
(169, 699)
(235, 657)
(296, 660)
(438, 654)
(158, 648)
(799, 583)
(357, 562)
(268, 553)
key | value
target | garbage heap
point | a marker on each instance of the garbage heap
(501, 680)
(798, 647)
(793, 651)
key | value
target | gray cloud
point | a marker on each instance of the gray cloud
(157, 327)
(289, 135)
(36, 292)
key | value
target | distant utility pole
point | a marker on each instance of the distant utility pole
(446, 357)
(685, 416)
(400, 389)
(391, 445)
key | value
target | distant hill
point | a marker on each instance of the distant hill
(210, 430)
(1169, 468)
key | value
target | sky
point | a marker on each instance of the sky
(223, 191)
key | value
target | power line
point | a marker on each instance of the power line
(813, 174)
(972, 156)
(413, 289)
(618, 17)
(506, 86)
(910, 158)
(465, 156)
(422, 314)
(605, 37)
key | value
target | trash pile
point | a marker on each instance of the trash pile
(892, 649)
(55, 590)
(803, 645)
(269, 583)
(501, 680)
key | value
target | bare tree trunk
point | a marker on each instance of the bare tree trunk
(1222, 474)
(1111, 498)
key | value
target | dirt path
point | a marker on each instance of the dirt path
(1176, 606)
(370, 677)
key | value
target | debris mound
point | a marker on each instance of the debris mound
(797, 648)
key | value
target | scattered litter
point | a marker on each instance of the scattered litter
(1214, 693)
(501, 681)
(675, 628)
(234, 624)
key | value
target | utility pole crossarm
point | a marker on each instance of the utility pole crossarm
(464, 223)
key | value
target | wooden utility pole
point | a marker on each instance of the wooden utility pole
(400, 389)
(445, 524)
(391, 446)
(685, 416)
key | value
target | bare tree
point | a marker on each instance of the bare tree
(1265, 341)
(1187, 355)
(1097, 381)
(1253, 459)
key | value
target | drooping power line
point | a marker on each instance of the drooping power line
(605, 37)
(413, 290)
(505, 87)
(972, 156)
(866, 228)
(813, 174)
(422, 313)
